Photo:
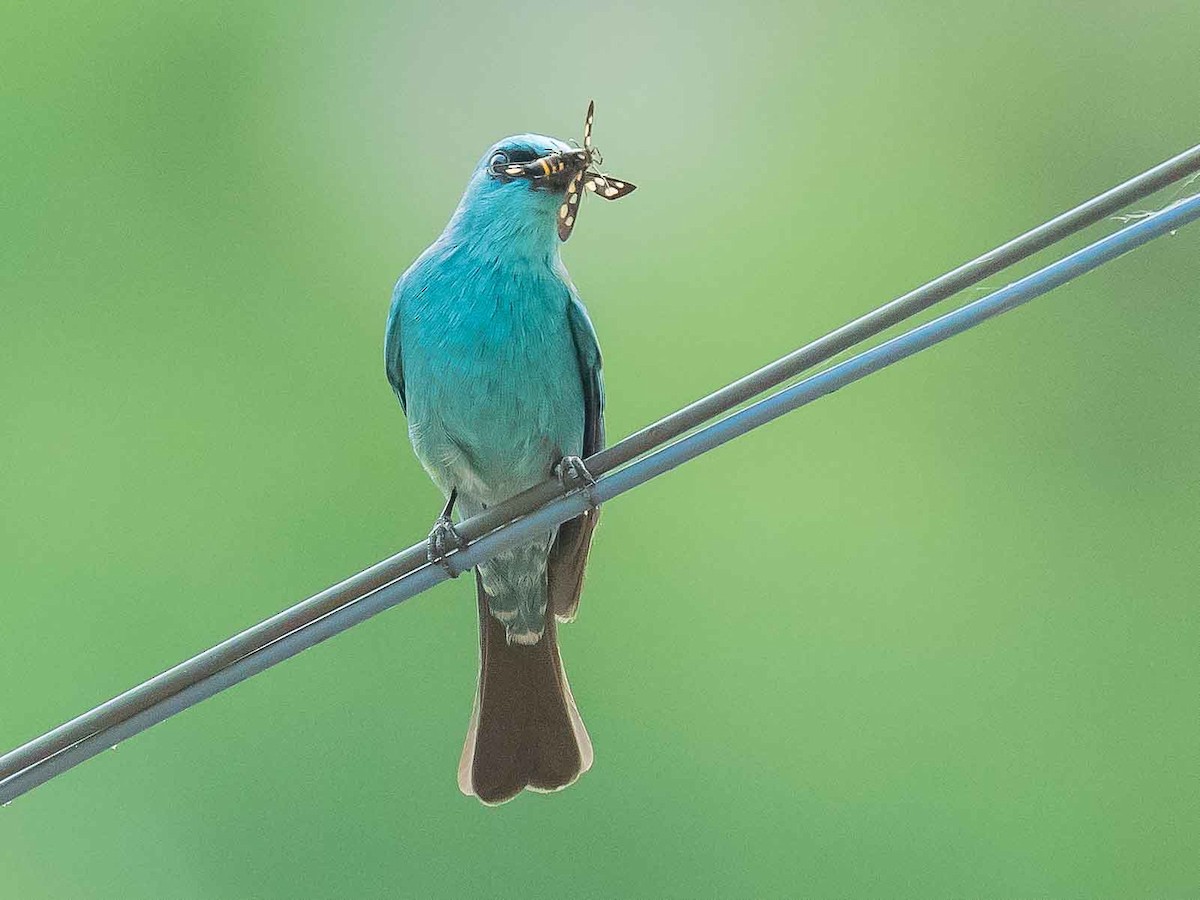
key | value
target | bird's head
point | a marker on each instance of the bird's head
(527, 188)
(501, 204)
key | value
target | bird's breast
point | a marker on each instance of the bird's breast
(494, 390)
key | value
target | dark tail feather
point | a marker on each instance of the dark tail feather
(568, 559)
(525, 730)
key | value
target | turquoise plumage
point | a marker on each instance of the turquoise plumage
(496, 364)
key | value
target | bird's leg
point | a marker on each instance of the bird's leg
(572, 474)
(444, 539)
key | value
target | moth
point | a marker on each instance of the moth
(580, 162)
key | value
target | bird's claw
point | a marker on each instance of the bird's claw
(443, 540)
(573, 475)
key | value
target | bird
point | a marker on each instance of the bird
(497, 368)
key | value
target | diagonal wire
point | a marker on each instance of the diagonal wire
(229, 651)
(565, 507)
(301, 625)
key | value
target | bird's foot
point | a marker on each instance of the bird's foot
(573, 475)
(443, 540)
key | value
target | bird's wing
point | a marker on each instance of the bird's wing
(568, 556)
(392, 361)
(587, 353)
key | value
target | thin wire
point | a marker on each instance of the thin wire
(307, 611)
(215, 658)
(563, 508)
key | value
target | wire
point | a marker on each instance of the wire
(304, 613)
(405, 574)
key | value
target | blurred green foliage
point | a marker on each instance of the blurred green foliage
(933, 636)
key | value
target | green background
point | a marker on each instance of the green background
(936, 635)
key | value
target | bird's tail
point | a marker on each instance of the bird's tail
(525, 730)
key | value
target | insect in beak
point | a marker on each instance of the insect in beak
(575, 166)
(548, 166)
(586, 179)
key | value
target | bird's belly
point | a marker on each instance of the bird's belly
(493, 417)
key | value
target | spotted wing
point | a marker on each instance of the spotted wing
(587, 125)
(606, 186)
(569, 211)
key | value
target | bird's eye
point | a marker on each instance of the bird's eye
(499, 158)
(511, 157)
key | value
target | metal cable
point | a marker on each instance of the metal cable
(406, 573)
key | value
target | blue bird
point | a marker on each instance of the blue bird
(498, 370)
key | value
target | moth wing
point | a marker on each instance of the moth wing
(569, 211)
(608, 187)
(587, 125)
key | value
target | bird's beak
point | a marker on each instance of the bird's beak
(552, 170)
